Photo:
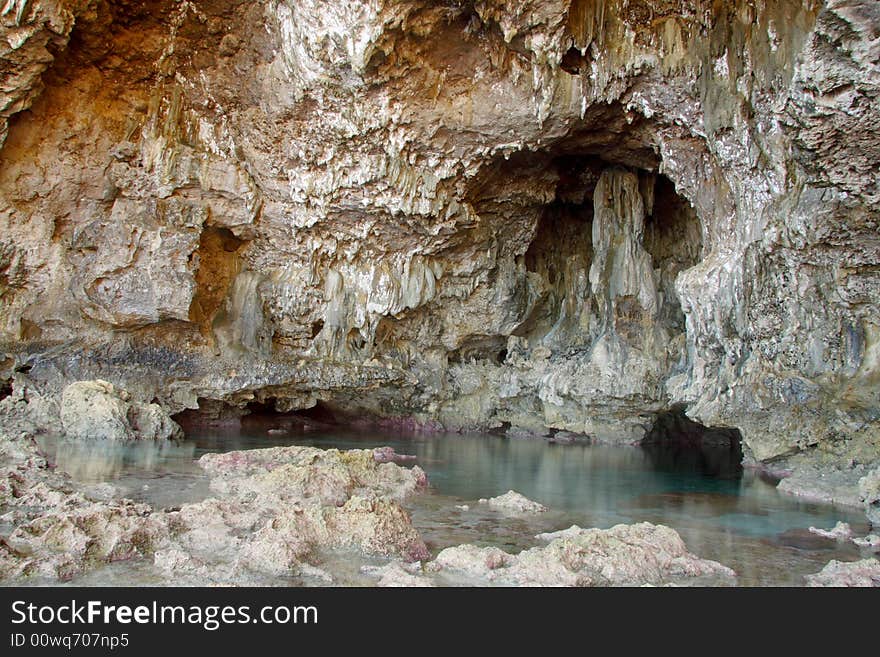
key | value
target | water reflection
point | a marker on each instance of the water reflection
(100, 460)
(721, 512)
(719, 461)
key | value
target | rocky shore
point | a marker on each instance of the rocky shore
(546, 218)
(286, 515)
(614, 221)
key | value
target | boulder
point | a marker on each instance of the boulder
(277, 507)
(625, 555)
(99, 410)
(396, 575)
(513, 502)
(864, 573)
(327, 476)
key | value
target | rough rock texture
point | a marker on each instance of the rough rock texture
(840, 532)
(864, 573)
(96, 409)
(276, 507)
(566, 214)
(395, 575)
(869, 491)
(819, 480)
(513, 502)
(84, 411)
(328, 476)
(623, 555)
(57, 532)
(871, 542)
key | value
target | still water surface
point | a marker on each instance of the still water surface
(721, 511)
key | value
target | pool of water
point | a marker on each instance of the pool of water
(721, 511)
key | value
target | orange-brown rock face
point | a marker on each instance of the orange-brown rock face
(566, 214)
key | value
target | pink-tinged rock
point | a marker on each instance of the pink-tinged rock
(864, 573)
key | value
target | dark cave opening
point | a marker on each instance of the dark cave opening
(320, 413)
(261, 406)
(262, 415)
(574, 61)
(270, 409)
(355, 341)
(674, 427)
(481, 348)
(676, 442)
(322, 416)
(599, 234)
(210, 412)
(561, 252)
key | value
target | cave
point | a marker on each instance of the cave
(575, 62)
(678, 443)
(210, 412)
(591, 236)
(386, 254)
(551, 193)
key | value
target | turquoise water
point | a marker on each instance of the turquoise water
(721, 511)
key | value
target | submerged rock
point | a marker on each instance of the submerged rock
(623, 555)
(827, 480)
(388, 455)
(571, 532)
(513, 502)
(864, 573)
(480, 562)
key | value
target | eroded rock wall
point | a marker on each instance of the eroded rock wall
(549, 215)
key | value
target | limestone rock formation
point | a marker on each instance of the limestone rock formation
(395, 575)
(277, 506)
(327, 476)
(869, 489)
(274, 511)
(566, 215)
(864, 573)
(52, 530)
(840, 532)
(98, 410)
(513, 502)
(622, 555)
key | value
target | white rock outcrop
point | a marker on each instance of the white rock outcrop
(864, 573)
(513, 502)
(624, 555)
(99, 410)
